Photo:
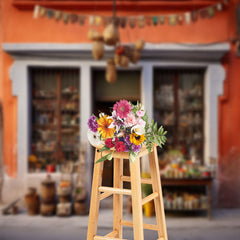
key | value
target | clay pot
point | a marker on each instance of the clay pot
(111, 73)
(48, 209)
(64, 209)
(48, 190)
(98, 50)
(65, 199)
(80, 208)
(139, 45)
(32, 203)
(50, 168)
(111, 35)
(124, 61)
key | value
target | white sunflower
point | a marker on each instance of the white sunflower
(94, 138)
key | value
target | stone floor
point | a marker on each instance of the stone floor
(225, 224)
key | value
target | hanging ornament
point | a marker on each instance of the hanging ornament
(81, 20)
(111, 35)
(94, 35)
(98, 21)
(180, 19)
(73, 18)
(219, 7)
(139, 45)
(123, 61)
(36, 11)
(123, 22)
(135, 56)
(132, 22)
(57, 15)
(155, 20)
(172, 20)
(141, 21)
(111, 73)
(161, 19)
(203, 13)
(210, 11)
(65, 18)
(98, 50)
(194, 16)
(91, 20)
(187, 17)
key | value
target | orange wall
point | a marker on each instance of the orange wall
(19, 26)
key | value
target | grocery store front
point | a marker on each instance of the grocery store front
(157, 60)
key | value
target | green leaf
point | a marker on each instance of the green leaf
(132, 156)
(104, 148)
(106, 157)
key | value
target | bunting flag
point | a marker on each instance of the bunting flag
(132, 21)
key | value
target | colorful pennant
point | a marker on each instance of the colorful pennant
(131, 21)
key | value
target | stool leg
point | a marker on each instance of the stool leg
(158, 202)
(136, 200)
(95, 197)
(117, 198)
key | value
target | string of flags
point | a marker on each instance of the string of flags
(132, 21)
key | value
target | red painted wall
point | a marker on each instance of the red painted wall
(18, 26)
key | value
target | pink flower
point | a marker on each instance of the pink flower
(122, 108)
(140, 113)
(130, 120)
(141, 122)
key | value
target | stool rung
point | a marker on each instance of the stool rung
(112, 234)
(143, 180)
(107, 238)
(145, 225)
(149, 198)
(105, 195)
(115, 190)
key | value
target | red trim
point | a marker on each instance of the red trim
(139, 6)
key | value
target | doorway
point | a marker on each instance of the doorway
(104, 96)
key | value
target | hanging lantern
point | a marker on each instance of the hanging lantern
(111, 73)
(111, 35)
(98, 50)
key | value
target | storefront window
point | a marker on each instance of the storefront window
(178, 106)
(55, 118)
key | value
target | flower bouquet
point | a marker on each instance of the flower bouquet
(126, 130)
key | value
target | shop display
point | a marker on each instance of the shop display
(178, 106)
(55, 119)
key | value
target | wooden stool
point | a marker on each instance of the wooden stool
(100, 192)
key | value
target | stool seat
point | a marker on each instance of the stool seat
(100, 192)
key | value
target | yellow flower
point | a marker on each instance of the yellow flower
(104, 122)
(137, 139)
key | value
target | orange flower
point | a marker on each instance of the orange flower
(104, 122)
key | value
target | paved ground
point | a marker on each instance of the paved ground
(224, 225)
